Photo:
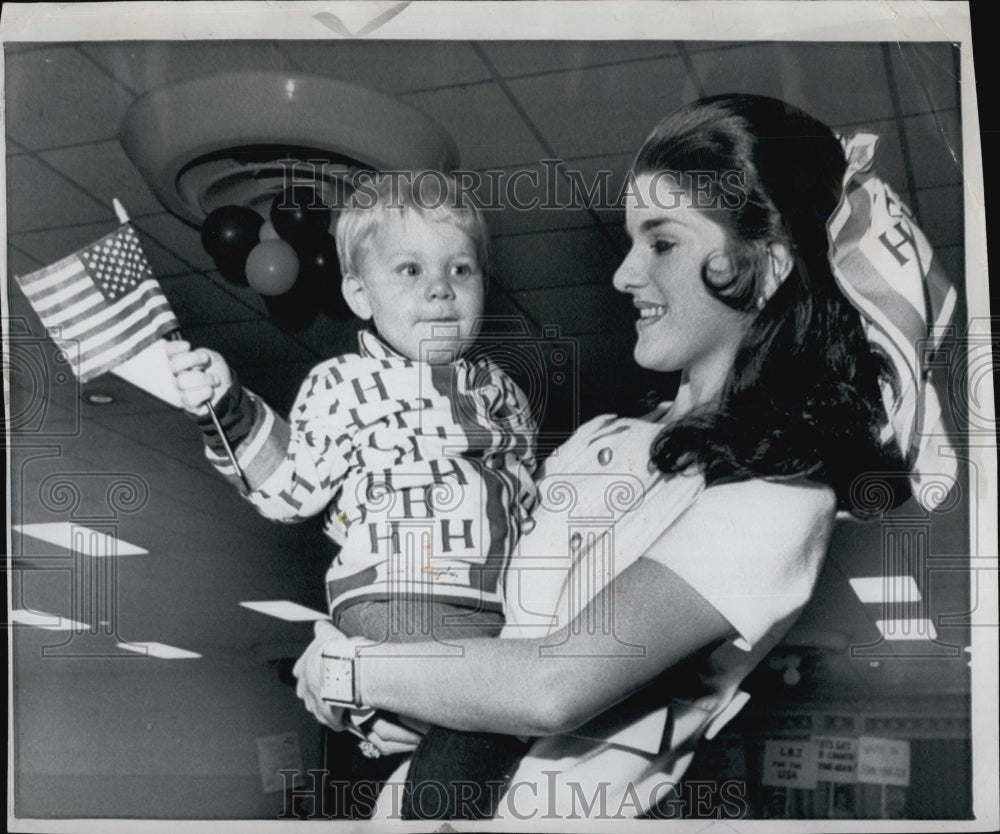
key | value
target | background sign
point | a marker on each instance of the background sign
(837, 759)
(884, 761)
(790, 764)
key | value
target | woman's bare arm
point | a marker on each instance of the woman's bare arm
(760, 540)
(556, 683)
(550, 684)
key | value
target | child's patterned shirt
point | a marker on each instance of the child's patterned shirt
(424, 473)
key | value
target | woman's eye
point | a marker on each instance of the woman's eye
(462, 270)
(661, 247)
(409, 269)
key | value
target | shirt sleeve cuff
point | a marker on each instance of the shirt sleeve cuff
(235, 412)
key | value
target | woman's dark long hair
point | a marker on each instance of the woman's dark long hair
(803, 397)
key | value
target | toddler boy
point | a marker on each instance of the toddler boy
(420, 460)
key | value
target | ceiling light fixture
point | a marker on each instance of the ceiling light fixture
(98, 398)
(915, 628)
(886, 589)
(220, 140)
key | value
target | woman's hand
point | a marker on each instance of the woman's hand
(309, 668)
(391, 736)
(387, 732)
(201, 375)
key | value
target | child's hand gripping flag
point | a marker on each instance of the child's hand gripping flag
(106, 311)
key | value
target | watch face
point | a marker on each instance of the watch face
(338, 680)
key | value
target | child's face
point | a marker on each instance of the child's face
(422, 283)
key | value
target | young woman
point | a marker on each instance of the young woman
(670, 554)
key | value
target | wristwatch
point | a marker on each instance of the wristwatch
(340, 685)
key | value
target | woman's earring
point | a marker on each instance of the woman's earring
(779, 266)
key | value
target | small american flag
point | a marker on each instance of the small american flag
(101, 305)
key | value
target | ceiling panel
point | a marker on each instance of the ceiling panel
(191, 452)
(15, 48)
(41, 383)
(329, 337)
(179, 474)
(596, 308)
(926, 76)
(624, 102)
(528, 198)
(163, 425)
(178, 237)
(249, 343)
(43, 491)
(376, 64)
(128, 399)
(197, 299)
(935, 143)
(555, 259)
(52, 244)
(940, 211)
(142, 66)
(103, 169)
(39, 198)
(953, 262)
(822, 79)
(610, 172)
(243, 293)
(503, 315)
(20, 263)
(50, 423)
(486, 127)
(513, 58)
(80, 102)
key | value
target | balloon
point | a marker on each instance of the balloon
(268, 232)
(272, 267)
(298, 213)
(229, 233)
(320, 272)
(318, 259)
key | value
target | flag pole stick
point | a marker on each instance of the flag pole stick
(174, 336)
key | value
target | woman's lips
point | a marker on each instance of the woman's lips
(650, 314)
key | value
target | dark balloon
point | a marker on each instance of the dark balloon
(320, 272)
(318, 260)
(298, 213)
(229, 233)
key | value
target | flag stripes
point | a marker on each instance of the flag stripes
(101, 304)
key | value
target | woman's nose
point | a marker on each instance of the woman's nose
(626, 276)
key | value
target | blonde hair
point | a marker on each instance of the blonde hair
(379, 198)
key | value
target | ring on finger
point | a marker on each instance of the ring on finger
(369, 750)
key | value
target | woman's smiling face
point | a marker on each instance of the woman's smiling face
(681, 326)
